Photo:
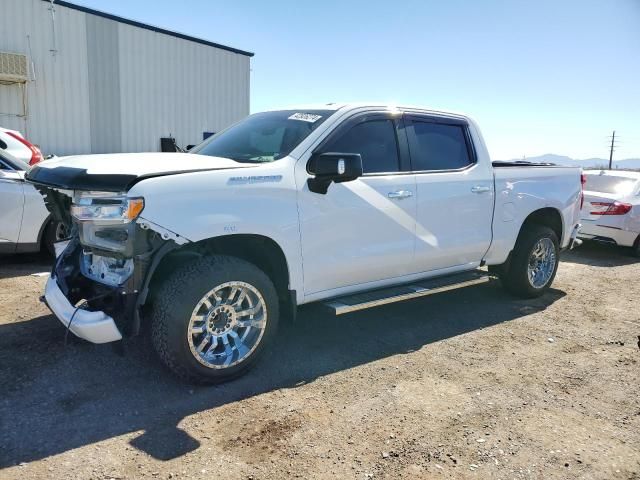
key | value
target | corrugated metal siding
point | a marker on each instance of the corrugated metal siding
(104, 84)
(58, 106)
(167, 85)
(171, 86)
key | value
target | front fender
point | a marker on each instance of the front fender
(202, 205)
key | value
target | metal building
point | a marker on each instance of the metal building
(74, 80)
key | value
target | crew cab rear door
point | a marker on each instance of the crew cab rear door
(360, 231)
(455, 193)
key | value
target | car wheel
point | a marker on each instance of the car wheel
(534, 262)
(54, 232)
(636, 248)
(212, 319)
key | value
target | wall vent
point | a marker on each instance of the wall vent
(13, 68)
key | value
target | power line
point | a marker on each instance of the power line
(613, 144)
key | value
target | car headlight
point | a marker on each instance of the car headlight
(105, 207)
(105, 220)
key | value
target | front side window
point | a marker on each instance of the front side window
(436, 146)
(263, 137)
(374, 140)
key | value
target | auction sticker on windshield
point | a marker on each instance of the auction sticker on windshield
(305, 117)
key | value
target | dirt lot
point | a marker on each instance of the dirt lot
(468, 384)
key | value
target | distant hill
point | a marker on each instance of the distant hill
(629, 163)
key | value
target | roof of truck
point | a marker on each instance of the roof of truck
(334, 106)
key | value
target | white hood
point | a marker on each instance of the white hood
(118, 171)
(141, 163)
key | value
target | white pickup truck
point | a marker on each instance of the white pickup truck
(351, 205)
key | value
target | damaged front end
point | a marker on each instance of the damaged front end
(101, 276)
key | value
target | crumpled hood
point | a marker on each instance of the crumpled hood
(119, 171)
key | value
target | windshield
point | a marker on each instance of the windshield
(610, 184)
(263, 137)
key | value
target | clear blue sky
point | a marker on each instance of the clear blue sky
(540, 76)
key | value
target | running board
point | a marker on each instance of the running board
(375, 298)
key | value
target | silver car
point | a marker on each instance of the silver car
(25, 223)
(611, 210)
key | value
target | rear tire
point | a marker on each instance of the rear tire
(534, 262)
(200, 326)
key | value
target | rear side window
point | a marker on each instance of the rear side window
(435, 146)
(611, 184)
(375, 141)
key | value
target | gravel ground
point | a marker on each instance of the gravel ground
(468, 384)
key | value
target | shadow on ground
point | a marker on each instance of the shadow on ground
(21, 264)
(56, 398)
(600, 255)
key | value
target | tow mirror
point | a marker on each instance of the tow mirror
(333, 167)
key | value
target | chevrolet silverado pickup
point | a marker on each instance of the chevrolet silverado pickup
(353, 206)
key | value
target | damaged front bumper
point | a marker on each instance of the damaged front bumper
(93, 310)
(101, 276)
(95, 327)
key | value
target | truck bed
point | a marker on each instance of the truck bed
(522, 163)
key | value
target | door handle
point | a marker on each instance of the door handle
(480, 189)
(400, 194)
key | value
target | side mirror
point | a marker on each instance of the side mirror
(333, 167)
(189, 147)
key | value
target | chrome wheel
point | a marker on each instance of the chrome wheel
(227, 325)
(542, 263)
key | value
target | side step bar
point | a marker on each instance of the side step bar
(375, 298)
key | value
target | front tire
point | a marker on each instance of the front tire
(212, 319)
(534, 262)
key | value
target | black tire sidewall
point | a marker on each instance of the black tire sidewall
(517, 280)
(179, 295)
(49, 237)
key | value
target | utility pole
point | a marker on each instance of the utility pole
(613, 139)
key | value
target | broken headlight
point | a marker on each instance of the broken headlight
(105, 220)
(105, 207)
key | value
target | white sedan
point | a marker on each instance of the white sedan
(25, 223)
(611, 210)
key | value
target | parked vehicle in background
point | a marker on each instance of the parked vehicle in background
(14, 143)
(352, 205)
(25, 223)
(611, 210)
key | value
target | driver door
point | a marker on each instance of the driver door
(363, 231)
